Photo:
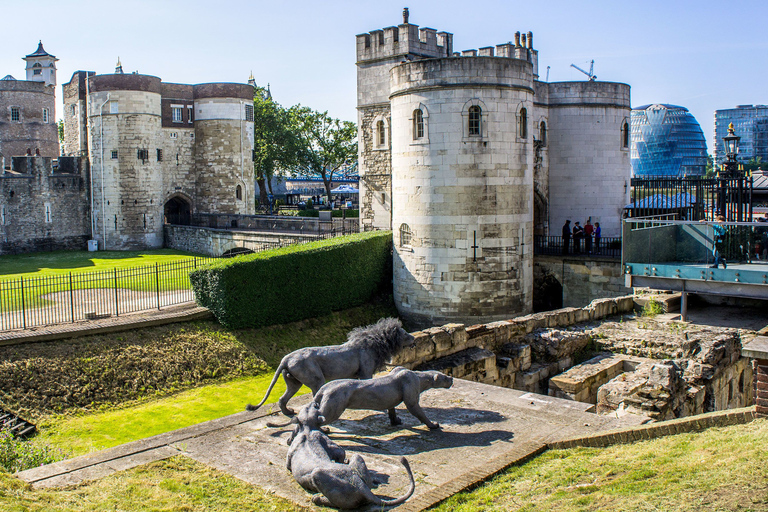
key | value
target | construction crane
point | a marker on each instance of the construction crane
(590, 74)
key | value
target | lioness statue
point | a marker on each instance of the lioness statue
(319, 465)
(381, 394)
(364, 353)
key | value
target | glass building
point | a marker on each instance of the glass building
(667, 141)
(750, 122)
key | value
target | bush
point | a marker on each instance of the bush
(296, 282)
(18, 454)
(652, 308)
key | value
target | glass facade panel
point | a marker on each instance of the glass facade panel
(750, 122)
(667, 141)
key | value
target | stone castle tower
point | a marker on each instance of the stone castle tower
(159, 151)
(28, 110)
(467, 156)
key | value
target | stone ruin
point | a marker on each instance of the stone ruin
(637, 365)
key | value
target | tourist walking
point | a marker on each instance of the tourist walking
(566, 236)
(597, 238)
(578, 234)
(588, 229)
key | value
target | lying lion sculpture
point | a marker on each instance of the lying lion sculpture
(319, 465)
(379, 394)
(364, 353)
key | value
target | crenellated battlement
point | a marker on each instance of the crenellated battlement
(521, 49)
(402, 40)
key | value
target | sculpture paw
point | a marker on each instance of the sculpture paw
(434, 426)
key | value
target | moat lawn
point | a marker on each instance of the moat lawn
(56, 263)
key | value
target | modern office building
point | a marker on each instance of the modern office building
(667, 141)
(750, 122)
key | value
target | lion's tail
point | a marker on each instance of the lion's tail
(409, 493)
(279, 370)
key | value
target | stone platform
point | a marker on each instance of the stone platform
(484, 429)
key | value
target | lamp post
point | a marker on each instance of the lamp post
(728, 173)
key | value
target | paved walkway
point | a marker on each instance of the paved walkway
(171, 314)
(484, 430)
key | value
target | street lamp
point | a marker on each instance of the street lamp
(731, 142)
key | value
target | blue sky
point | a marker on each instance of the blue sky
(699, 54)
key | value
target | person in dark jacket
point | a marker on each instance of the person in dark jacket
(566, 236)
(578, 234)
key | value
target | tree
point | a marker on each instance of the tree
(275, 143)
(709, 170)
(326, 144)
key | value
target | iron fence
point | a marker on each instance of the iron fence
(603, 247)
(692, 198)
(76, 296)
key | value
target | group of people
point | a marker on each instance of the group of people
(589, 233)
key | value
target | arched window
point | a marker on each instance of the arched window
(475, 118)
(543, 133)
(625, 135)
(405, 234)
(522, 126)
(418, 124)
(381, 131)
(239, 192)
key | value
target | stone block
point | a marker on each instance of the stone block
(425, 346)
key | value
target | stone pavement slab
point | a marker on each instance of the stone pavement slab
(484, 429)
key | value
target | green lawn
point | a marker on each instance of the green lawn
(60, 271)
(92, 432)
(58, 263)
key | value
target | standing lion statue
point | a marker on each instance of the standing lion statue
(366, 351)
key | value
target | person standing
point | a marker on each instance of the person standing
(718, 232)
(588, 229)
(578, 234)
(566, 236)
(597, 238)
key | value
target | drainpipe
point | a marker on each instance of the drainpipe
(101, 144)
(90, 171)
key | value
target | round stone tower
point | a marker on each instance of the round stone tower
(462, 188)
(224, 148)
(124, 133)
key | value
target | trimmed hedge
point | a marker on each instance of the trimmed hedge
(296, 282)
(336, 214)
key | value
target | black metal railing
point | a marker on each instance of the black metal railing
(603, 247)
(35, 301)
(692, 198)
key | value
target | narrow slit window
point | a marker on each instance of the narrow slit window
(239, 193)
(382, 133)
(625, 135)
(418, 124)
(522, 129)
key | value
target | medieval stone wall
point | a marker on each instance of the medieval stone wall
(41, 210)
(32, 131)
(464, 198)
(642, 367)
(375, 161)
(589, 169)
(128, 188)
(223, 160)
(581, 279)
